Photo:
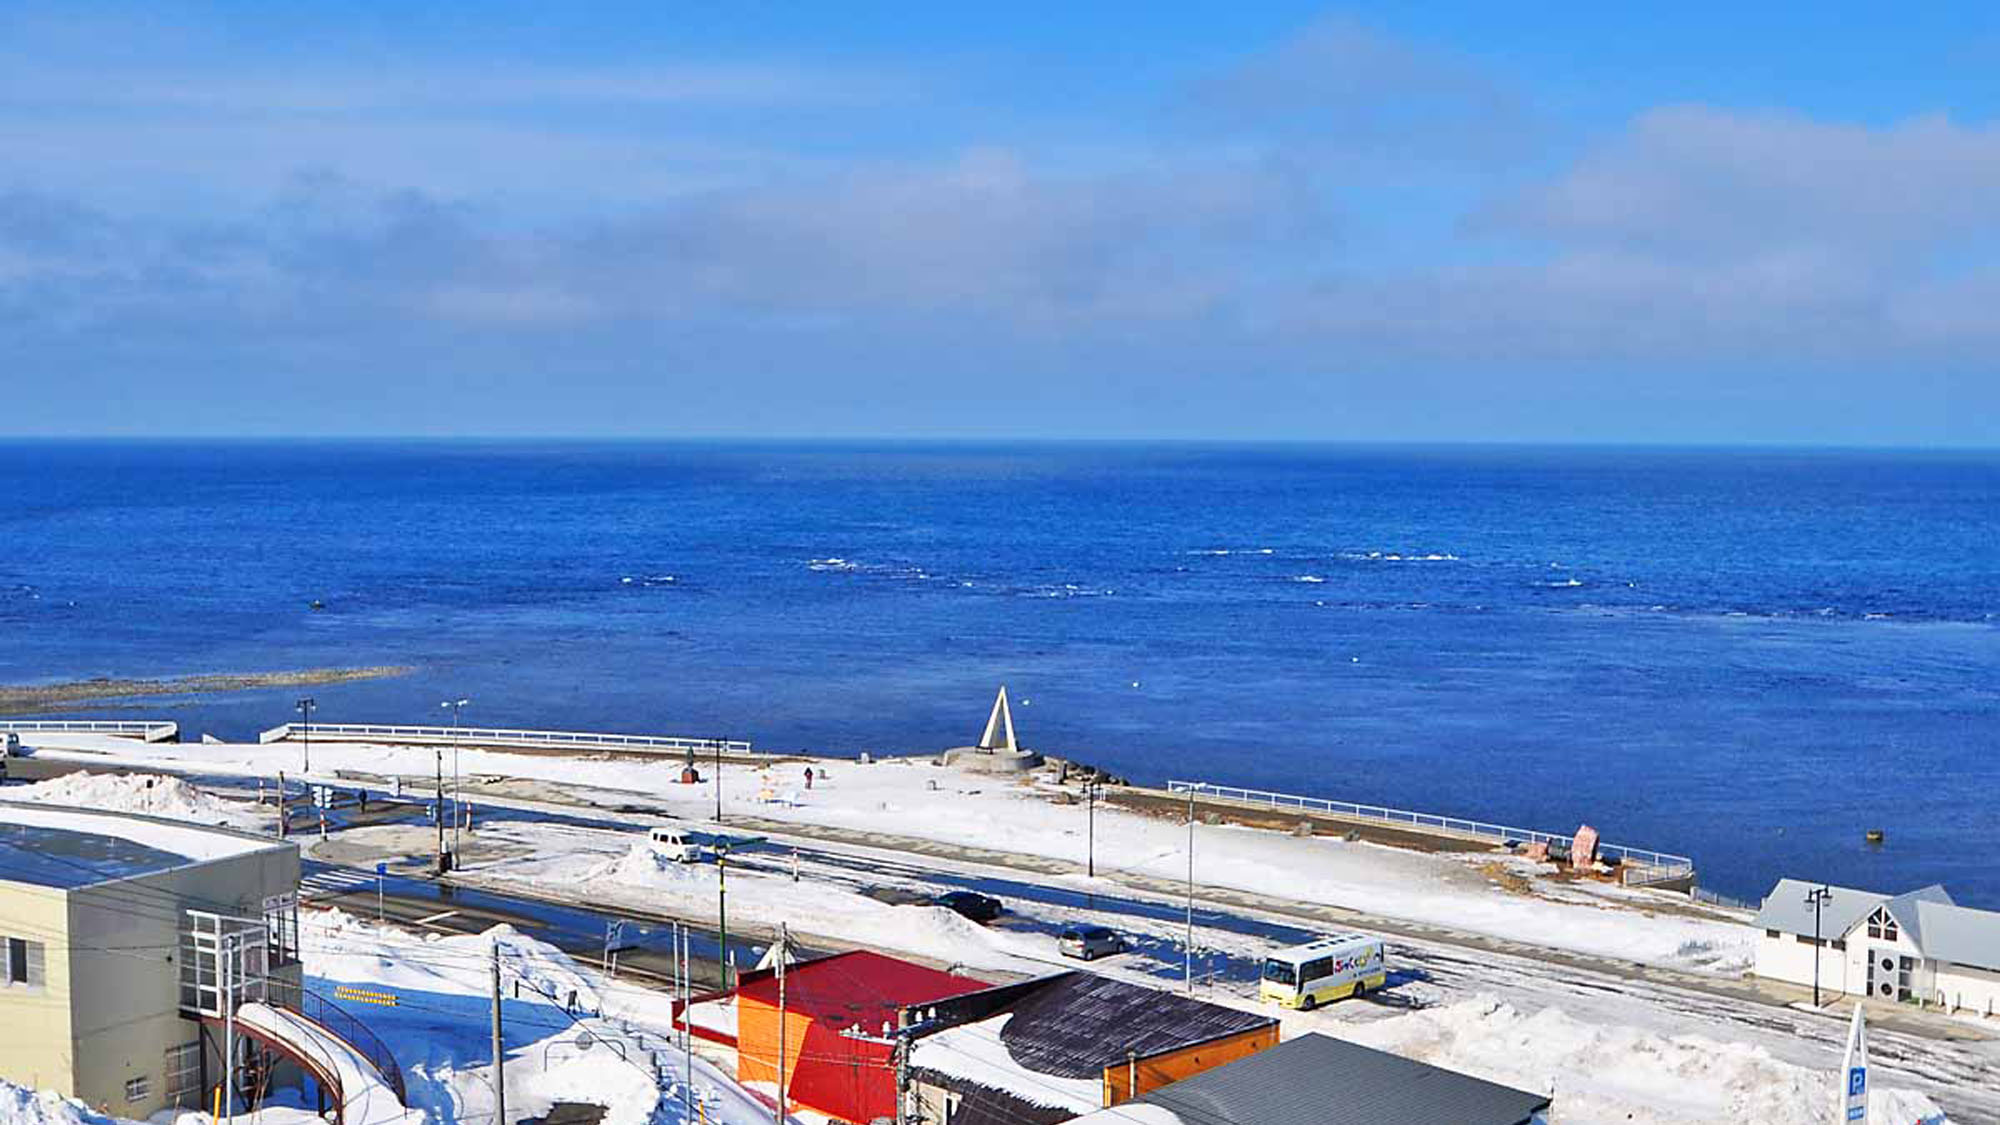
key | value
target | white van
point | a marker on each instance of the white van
(678, 844)
(1306, 976)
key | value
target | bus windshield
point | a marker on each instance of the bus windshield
(1281, 972)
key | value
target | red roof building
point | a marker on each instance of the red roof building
(828, 1003)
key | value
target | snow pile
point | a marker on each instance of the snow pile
(642, 877)
(1605, 1073)
(22, 1106)
(439, 1026)
(148, 794)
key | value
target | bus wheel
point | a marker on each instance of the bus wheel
(1360, 989)
(1309, 1003)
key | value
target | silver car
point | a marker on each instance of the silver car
(1089, 943)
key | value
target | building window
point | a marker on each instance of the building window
(183, 1069)
(281, 930)
(1773, 934)
(1804, 940)
(24, 963)
(138, 1089)
(1881, 925)
(1840, 943)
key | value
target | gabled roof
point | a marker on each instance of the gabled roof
(1958, 934)
(1941, 929)
(858, 989)
(1318, 1080)
(1048, 1042)
(1785, 909)
(1903, 908)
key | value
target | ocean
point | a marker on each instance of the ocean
(1751, 657)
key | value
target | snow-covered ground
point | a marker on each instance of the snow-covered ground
(439, 1026)
(614, 870)
(919, 799)
(1614, 1048)
(151, 794)
(1614, 1073)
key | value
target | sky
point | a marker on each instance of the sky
(1683, 223)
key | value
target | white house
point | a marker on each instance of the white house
(1919, 947)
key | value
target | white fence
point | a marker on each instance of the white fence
(147, 730)
(490, 736)
(1651, 866)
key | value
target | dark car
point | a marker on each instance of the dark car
(970, 904)
(1088, 943)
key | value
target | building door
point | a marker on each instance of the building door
(1889, 975)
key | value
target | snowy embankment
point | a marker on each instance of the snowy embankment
(917, 799)
(22, 1106)
(571, 1035)
(572, 863)
(150, 794)
(1624, 1074)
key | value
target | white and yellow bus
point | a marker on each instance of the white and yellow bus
(1306, 976)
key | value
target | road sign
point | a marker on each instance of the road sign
(1854, 1070)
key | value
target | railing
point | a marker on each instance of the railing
(1703, 894)
(490, 736)
(148, 730)
(1658, 867)
(330, 1016)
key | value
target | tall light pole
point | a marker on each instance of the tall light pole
(1817, 898)
(1188, 946)
(456, 706)
(1090, 836)
(305, 709)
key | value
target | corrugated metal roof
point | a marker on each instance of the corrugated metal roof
(857, 989)
(1319, 1080)
(1082, 1023)
(1786, 911)
(1958, 934)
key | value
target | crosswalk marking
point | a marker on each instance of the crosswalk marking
(334, 881)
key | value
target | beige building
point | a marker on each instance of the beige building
(115, 928)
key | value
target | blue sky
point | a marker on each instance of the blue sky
(1439, 222)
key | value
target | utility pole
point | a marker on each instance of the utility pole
(1090, 803)
(722, 909)
(305, 708)
(783, 940)
(499, 1048)
(283, 816)
(227, 951)
(440, 811)
(718, 779)
(457, 791)
(1817, 898)
(686, 951)
(1187, 949)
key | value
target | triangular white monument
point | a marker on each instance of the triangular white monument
(1000, 726)
(1854, 1072)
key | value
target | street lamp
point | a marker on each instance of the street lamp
(456, 706)
(1817, 898)
(1090, 790)
(305, 709)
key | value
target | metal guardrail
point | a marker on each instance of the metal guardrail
(1703, 894)
(150, 731)
(330, 1016)
(1663, 865)
(493, 736)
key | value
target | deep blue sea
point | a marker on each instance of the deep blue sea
(1750, 657)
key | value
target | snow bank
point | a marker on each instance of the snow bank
(643, 878)
(915, 798)
(148, 794)
(22, 1106)
(1624, 1074)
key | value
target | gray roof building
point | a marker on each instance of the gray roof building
(1941, 929)
(1318, 1080)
